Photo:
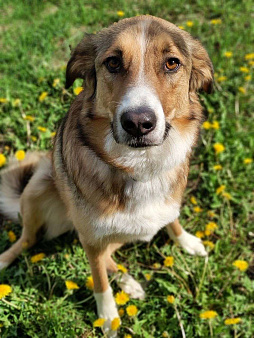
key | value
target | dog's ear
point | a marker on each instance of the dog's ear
(81, 64)
(202, 69)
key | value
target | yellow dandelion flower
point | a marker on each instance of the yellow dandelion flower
(99, 322)
(217, 167)
(211, 214)
(156, 265)
(131, 310)
(221, 78)
(2, 160)
(38, 257)
(168, 261)
(241, 265)
(249, 56)
(208, 314)
(3, 100)
(242, 90)
(207, 232)
(251, 62)
(232, 321)
(148, 276)
(215, 125)
(193, 200)
(227, 195)
(67, 256)
(121, 298)
(215, 21)
(127, 336)
(189, 23)
(42, 129)
(219, 148)
(245, 161)
(29, 118)
(247, 78)
(209, 244)
(181, 27)
(228, 54)
(53, 134)
(171, 299)
(120, 13)
(165, 334)
(5, 290)
(200, 234)
(115, 324)
(78, 90)
(55, 82)
(122, 268)
(90, 283)
(43, 96)
(33, 138)
(207, 125)
(197, 209)
(211, 226)
(16, 102)
(12, 236)
(70, 285)
(121, 311)
(244, 69)
(20, 155)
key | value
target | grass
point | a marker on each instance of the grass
(35, 43)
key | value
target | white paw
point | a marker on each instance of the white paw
(192, 244)
(3, 265)
(107, 309)
(129, 285)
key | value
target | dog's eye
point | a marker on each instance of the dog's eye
(172, 64)
(113, 64)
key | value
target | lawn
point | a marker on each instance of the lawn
(218, 204)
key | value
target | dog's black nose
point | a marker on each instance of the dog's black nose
(138, 122)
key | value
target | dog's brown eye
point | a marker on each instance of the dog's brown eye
(113, 64)
(172, 64)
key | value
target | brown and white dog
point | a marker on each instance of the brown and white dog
(121, 155)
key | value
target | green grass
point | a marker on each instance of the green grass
(35, 48)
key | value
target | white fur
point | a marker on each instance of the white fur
(107, 309)
(129, 285)
(3, 265)
(10, 206)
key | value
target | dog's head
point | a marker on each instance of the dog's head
(142, 74)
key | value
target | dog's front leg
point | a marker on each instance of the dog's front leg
(192, 244)
(106, 306)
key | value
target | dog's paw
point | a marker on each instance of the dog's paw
(192, 244)
(129, 285)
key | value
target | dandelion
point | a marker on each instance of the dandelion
(165, 334)
(207, 232)
(127, 336)
(171, 299)
(122, 268)
(33, 138)
(90, 283)
(211, 226)
(12, 236)
(247, 78)
(227, 195)
(211, 214)
(70, 285)
(193, 200)
(20, 155)
(215, 21)
(206, 125)
(189, 23)
(42, 129)
(121, 298)
(215, 125)
(38, 257)
(16, 102)
(168, 261)
(120, 13)
(219, 148)
(197, 209)
(78, 90)
(99, 322)
(232, 321)
(245, 161)
(148, 276)
(5, 290)
(55, 82)
(53, 134)
(242, 90)
(115, 324)
(43, 96)
(29, 118)
(228, 54)
(221, 78)
(208, 315)
(249, 56)
(3, 100)
(181, 27)
(217, 167)
(156, 265)
(131, 310)
(121, 311)
(241, 265)
(244, 69)
(220, 189)
(2, 160)
(209, 244)
(200, 234)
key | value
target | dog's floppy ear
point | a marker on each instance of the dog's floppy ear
(81, 64)
(202, 69)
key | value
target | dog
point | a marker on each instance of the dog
(121, 155)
